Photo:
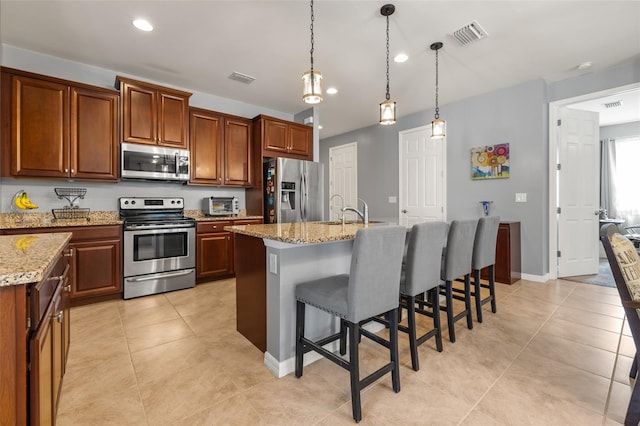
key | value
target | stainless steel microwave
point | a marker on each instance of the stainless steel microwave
(153, 162)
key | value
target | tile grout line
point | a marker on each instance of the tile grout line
(515, 358)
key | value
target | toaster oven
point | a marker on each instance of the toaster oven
(220, 206)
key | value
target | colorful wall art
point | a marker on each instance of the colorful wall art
(490, 162)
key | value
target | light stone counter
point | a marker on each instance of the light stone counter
(25, 258)
(201, 217)
(46, 220)
(301, 232)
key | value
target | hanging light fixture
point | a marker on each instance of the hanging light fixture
(438, 126)
(387, 107)
(312, 80)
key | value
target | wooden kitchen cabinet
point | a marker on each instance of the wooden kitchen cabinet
(508, 257)
(58, 129)
(220, 149)
(153, 114)
(34, 336)
(96, 261)
(280, 138)
(214, 250)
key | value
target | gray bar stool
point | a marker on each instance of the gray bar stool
(484, 256)
(371, 288)
(457, 263)
(421, 274)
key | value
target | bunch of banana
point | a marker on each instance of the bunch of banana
(24, 203)
(23, 243)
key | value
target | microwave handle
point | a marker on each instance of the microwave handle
(177, 163)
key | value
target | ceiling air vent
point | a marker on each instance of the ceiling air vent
(614, 104)
(242, 78)
(470, 33)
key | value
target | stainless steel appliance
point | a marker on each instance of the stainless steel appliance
(220, 206)
(153, 162)
(159, 246)
(293, 191)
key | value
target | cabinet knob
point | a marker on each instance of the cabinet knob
(72, 171)
(69, 253)
(66, 170)
(67, 288)
(59, 316)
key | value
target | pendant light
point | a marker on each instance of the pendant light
(312, 80)
(387, 107)
(438, 126)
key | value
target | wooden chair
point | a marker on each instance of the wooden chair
(625, 267)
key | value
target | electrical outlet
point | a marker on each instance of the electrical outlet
(273, 263)
(521, 197)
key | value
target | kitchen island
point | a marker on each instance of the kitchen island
(270, 260)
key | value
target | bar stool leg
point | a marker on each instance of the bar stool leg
(354, 370)
(449, 301)
(299, 335)
(467, 301)
(411, 322)
(393, 340)
(343, 337)
(435, 303)
(492, 287)
(478, 296)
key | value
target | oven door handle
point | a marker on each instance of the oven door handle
(154, 227)
(156, 276)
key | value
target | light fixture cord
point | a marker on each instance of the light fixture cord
(437, 109)
(388, 96)
(312, 73)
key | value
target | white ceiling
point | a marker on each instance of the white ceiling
(197, 44)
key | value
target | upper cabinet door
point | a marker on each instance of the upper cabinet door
(275, 136)
(173, 121)
(300, 140)
(39, 128)
(94, 134)
(139, 114)
(237, 152)
(206, 135)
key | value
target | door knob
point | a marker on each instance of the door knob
(404, 211)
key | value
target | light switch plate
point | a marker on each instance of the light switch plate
(521, 197)
(273, 263)
(393, 200)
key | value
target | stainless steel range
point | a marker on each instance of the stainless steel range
(159, 246)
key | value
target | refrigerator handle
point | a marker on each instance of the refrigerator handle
(303, 196)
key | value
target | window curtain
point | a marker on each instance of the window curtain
(607, 177)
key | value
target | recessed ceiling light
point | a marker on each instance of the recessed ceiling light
(332, 91)
(142, 25)
(401, 57)
(585, 65)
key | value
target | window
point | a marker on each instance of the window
(626, 177)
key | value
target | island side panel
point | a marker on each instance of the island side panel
(297, 263)
(251, 305)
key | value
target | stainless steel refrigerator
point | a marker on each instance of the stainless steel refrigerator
(293, 191)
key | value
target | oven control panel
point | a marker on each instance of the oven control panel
(151, 203)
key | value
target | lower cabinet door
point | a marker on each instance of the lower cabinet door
(96, 268)
(215, 255)
(41, 392)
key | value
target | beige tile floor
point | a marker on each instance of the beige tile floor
(554, 354)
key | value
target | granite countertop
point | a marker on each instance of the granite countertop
(46, 220)
(300, 233)
(25, 258)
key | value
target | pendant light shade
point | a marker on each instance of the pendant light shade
(387, 107)
(312, 80)
(438, 126)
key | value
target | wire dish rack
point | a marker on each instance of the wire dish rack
(71, 212)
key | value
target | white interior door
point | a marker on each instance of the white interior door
(578, 192)
(343, 179)
(422, 177)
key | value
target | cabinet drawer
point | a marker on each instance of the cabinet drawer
(42, 292)
(212, 226)
(247, 222)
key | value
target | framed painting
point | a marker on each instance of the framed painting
(490, 162)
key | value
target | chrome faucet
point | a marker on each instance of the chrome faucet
(364, 215)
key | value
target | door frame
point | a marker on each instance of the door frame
(426, 127)
(554, 115)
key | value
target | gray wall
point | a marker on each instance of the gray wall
(517, 115)
(625, 130)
